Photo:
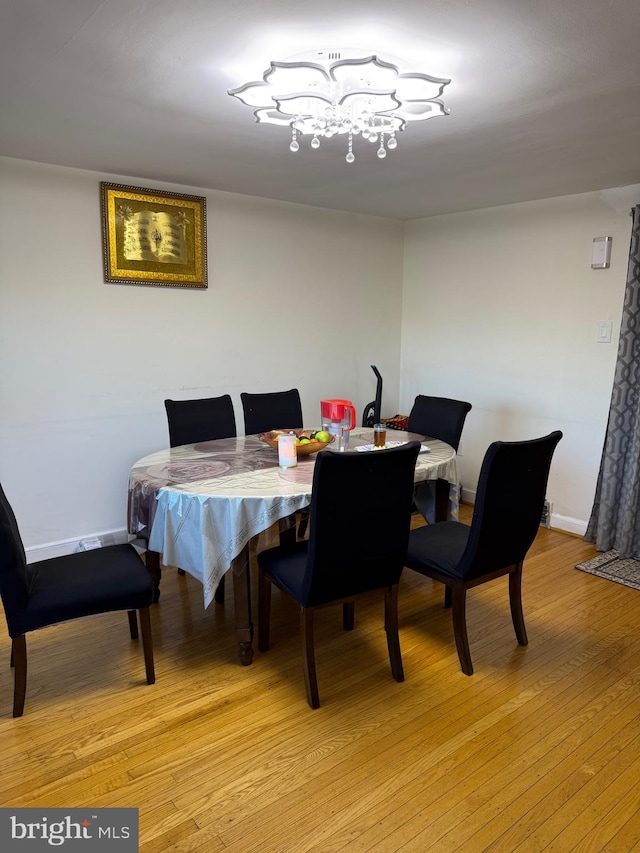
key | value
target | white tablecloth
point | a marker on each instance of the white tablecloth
(199, 505)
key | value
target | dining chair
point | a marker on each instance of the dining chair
(275, 410)
(192, 421)
(506, 516)
(47, 592)
(442, 418)
(359, 529)
(439, 417)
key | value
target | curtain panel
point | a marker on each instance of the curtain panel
(615, 517)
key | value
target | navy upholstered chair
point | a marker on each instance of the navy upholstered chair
(40, 594)
(439, 417)
(506, 517)
(208, 419)
(274, 410)
(442, 418)
(360, 521)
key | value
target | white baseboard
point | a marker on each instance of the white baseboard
(570, 525)
(559, 522)
(467, 496)
(120, 536)
(70, 546)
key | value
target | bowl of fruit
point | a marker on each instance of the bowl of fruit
(307, 440)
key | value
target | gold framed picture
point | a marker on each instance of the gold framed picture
(153, 237)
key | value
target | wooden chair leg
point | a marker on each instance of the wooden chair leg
(287, 530)
(19, 657)
(460, 628)
(348, 615)
(447, 596)
(133, 624)
(303, 523)
(391, 627)
(264, 611)
(515, 600)
(219, 593)
(147, 644)
(152, 562)
(442, 500)
(308, 657)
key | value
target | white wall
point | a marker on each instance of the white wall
(297, 296)
(501, 308)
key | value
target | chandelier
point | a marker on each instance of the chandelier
(329, 93)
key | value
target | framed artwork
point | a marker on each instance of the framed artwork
(153, 237)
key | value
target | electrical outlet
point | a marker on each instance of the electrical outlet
(545, 521)
(89, 544)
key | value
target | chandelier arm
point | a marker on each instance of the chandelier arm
(256, 84)
(443, 111)
(354, 93)
(415, 75)
(312, 95)
(366, 60)
(313, 66)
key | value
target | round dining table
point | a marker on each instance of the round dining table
(197, 507)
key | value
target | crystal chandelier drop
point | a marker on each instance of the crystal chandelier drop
(329, 93)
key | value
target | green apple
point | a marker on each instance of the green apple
(323, 436)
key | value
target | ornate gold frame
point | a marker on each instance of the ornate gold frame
(153, 237)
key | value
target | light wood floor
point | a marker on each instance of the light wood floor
(538, 750)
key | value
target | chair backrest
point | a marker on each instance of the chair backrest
(191, 421)
(509, 503)
(439, 417)
(14, 584)
(360, 521)
(276, 410)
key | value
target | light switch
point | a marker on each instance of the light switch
(604, 332)
(601, 253)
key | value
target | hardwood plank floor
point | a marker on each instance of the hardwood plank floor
(538, 750)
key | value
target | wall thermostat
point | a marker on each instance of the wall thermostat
(601, 253)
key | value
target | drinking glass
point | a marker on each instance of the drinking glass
(379, 435)
(287, 451)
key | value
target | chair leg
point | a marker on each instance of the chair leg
(447, 596)
(152, 562)
(219, 593)
(348, 615)
(308, 657)
(287, 530)
(515, 600)
(19, 657)
(147, 644)
(264, 611)
(391, 627)
(304, 521)
(133, 624)
(460, 628)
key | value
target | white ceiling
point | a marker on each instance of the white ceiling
(544, 99)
